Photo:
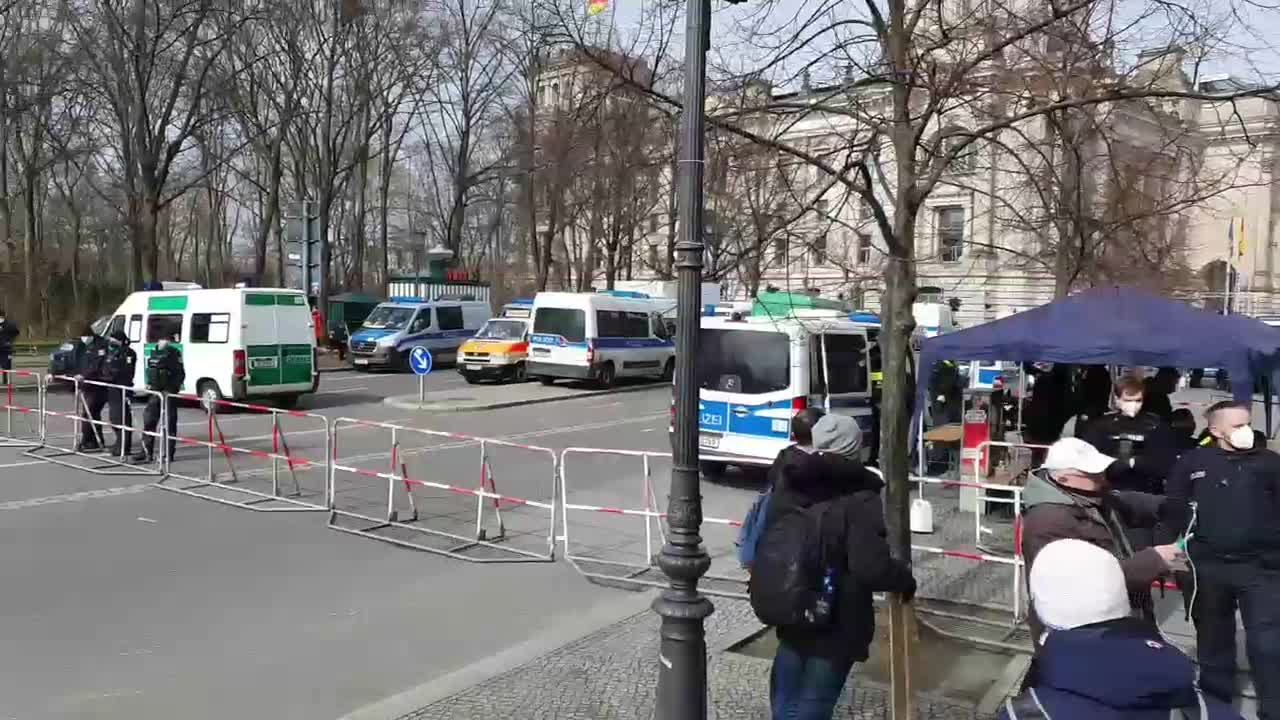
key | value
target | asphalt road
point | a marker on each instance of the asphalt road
(126, 601)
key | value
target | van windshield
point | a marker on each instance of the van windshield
(566, 322)
(744, 361)
(502, 330)
(388, 317)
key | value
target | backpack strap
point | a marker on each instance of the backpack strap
(1026, 707)
(1199, 711)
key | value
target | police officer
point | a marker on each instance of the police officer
(91, 356)
(1224, 498)
(120, 365)
(1142, 443)
(8, 333)
(165, 374)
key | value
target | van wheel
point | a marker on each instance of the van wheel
(606, 376)
(712, 470)
(521, 374)
(210, 395)
(546, 380)
(402, 362)
(669, 370)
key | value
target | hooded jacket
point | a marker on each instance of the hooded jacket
(1117, 670)
(853, 532)
(1053, 512)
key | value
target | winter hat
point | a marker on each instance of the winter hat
(837, 434)
(1074, 583)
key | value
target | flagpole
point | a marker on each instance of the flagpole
(1226, 282)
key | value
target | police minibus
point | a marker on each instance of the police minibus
(755, 373)
(394, 328)
(601, 336)
(236, 343)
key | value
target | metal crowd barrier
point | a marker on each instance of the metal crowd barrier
(64, 449)
(23, 403)
(626, 564)
(405, 507)
(263, 479)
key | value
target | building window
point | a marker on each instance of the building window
(863, 250)
(950, 233)
(653, 223)
(820, 207)
(864, 210)
(965, 160)
(780, 250)
(818, 250)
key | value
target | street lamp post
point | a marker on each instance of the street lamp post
(682, 668)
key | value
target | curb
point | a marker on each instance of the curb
(410, 402)
(414, 699)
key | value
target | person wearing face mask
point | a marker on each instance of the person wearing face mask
(1224, 499)
(166, 374)
(120, 364)
(8, 333)
(91, 355)
(1142, 443)
(1069, 497)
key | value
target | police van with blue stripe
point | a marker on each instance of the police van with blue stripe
(756, 372)
(601, 336)
(394, 328)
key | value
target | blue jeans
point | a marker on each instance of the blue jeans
(805, 687)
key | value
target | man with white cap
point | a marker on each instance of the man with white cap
(1069, 497)
(1097, 662)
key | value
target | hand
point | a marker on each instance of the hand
(1173, 557)
(79, 378)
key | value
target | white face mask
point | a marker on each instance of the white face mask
(162, 344)
(1130, 408)
(85, 339)
(1241, 438)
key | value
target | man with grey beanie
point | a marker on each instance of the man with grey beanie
(831, 488)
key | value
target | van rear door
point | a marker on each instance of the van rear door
(846, 375)
(559, 336)
(746, 398)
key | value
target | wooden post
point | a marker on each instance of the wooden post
(902, 638)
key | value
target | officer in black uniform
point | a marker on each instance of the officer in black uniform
(1224, 499)
(121, 362)
(166, 374)
(1142, 443)
(8, 333)
(91, 355)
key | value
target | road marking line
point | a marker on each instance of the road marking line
(343, 390)
(74, 497)
(24, 464)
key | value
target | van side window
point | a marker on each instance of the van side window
(817, 374)
(637, 325)
(164, 326)
(847, 363)
(421, 322)
(611, 323)
(117, 325)
(210, 327)
(449, 318)
(135, 329)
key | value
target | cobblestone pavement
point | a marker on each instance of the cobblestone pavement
(613, 673)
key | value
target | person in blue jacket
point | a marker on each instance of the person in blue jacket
(1098, 663)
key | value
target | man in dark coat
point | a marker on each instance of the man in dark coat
(91, 353)
(813, 662)
(1141, 441)
(8, 333)
(1069, 497)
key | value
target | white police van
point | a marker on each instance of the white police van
(755, 373)
(394, 328)
(237, 343)
(601, 336)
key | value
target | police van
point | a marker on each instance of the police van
(240, 343)
(601, 336)
(394, 328)
(755, 373)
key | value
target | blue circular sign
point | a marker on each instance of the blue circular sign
(420, 360)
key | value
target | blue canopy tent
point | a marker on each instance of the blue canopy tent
(1119, 326)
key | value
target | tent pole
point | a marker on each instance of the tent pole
(1266, 390)
(1022, 396)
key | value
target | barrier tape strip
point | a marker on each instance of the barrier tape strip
(441, 486)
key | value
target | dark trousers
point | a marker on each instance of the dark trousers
(805, 687)
(151, 421)
(120, 414)
(94, 399)
(1255, 591)
(6, 361)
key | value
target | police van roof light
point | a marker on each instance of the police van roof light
(405, 299)
(625, 294)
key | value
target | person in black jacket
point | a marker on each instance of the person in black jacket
(8, 333)
(1142, 443)
(1158, 389)
(802, 442)
(165, 374)
(91, 369)
(813, 662)
(1225, 499)
(120, 365)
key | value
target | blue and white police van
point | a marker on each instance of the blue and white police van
(395, 327)
(601, 336)
(756, 372)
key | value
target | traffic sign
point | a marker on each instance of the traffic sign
(420, 360)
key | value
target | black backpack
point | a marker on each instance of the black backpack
(787, 575)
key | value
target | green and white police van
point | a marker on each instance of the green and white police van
(237, 344)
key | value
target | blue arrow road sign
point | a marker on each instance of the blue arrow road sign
(420, 360)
